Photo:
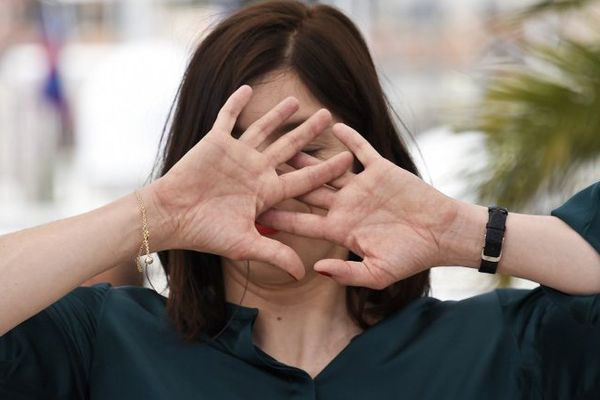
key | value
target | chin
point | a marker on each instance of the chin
(265, 273)
(309, 250)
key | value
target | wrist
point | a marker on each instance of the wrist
(464, 237)
(162, 223)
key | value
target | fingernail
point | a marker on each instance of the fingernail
(325, 273)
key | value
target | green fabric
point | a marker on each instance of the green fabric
(102, 342)
(582, 213)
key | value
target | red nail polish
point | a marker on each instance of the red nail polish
(265, 230)
(324, 273)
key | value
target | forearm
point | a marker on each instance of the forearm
(41, 264)
(540, 248)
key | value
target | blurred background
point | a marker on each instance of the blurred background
(499, 101)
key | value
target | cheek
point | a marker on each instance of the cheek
(310, 250)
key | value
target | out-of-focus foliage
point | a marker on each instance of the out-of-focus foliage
(542, 120)
(554, 6)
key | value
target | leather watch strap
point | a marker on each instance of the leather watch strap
(494, 237)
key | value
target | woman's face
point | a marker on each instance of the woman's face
(268, 92)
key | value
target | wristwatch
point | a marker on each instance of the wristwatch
(491, 253)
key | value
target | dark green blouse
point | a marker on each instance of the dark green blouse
(106, 342)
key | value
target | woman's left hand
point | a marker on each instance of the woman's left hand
(384, 214)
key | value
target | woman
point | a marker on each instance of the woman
(243, 221)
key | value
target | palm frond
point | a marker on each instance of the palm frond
(558, 5)
(553, 6)
(540, 123)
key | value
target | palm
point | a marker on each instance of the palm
(383, 231)
(235, 182)
(379, 214)
(227, 211)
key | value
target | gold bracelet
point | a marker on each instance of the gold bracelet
(145, 236)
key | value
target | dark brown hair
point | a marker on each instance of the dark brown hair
(327, 52)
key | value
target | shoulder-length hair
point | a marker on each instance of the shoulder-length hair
(327, 52)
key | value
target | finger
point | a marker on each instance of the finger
(322, 197)
(306, 179)
(301, 160)
(232, 108)
(284, 169)
(276, 253)
(357, 144)
(352, 273)
(291, 143)
(297, 223)
(264, 126)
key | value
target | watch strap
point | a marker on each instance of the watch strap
(494, 237)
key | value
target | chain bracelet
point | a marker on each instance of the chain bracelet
(145, 236)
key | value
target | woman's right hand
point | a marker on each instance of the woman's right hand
(214, 193)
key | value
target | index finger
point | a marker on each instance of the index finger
(357, 144)
(301, 160)
(289, 144)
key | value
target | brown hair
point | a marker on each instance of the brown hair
(327, 52)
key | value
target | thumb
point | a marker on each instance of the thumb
(276, 253)
(353, 273)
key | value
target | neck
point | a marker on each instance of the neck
(303, 324)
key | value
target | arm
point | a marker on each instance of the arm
(543, 249)
(41, 264)
(401, 226)
(203, 190)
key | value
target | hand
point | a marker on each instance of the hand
(216, 190)
(386, 215)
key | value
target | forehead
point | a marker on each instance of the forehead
(272, 89)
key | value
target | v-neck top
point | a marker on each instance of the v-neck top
(104, 342)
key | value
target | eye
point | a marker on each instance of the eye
(312, 151)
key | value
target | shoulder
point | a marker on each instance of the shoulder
(431, 312)
(132, 297)
(510, 306)
(499, 306)
(100, 297)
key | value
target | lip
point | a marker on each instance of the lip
(265, 230)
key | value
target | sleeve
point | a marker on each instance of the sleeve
(557, 334)
(49, 355)
(582, 213)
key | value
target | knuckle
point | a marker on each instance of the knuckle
(311, 173)
(313, 129)
(279, 115)
(271, 155)
(285, 187)
(331, 170)
(227, 112)
(295, 140)
(258, 128)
